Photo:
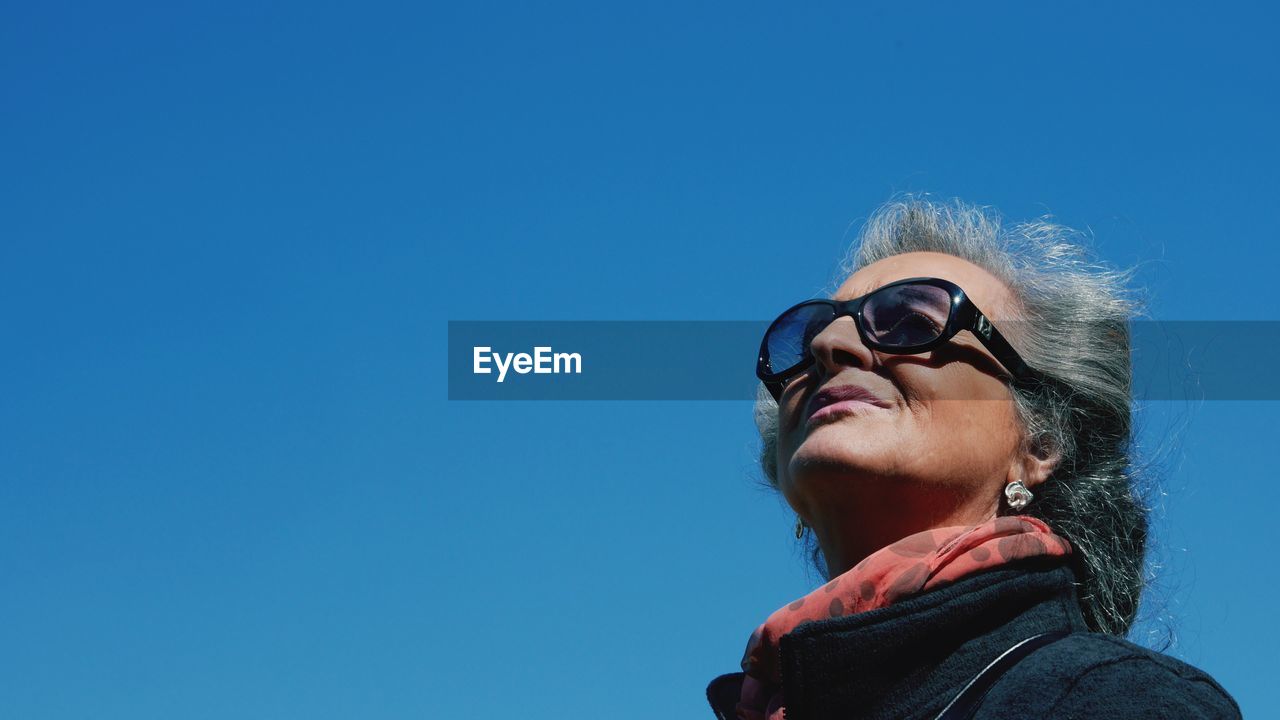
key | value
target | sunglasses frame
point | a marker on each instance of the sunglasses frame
(963, 315)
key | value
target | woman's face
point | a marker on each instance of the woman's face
(946, 440)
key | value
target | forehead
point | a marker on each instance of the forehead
(986, 290)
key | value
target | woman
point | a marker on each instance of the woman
(954, 431)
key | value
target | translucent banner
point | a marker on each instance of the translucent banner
(715, 360)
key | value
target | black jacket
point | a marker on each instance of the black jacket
(907, 660)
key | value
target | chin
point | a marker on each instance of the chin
(832, 454)
(853, 445)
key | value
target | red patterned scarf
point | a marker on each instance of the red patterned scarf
(919, 562)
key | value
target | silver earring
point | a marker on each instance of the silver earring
(799, 527)
(1017, 494)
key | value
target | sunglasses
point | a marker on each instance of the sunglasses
(907, 317)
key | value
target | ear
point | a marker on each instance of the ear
(1036, 462)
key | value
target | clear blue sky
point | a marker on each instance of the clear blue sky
(231, 236)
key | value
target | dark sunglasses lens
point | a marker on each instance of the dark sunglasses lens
(906, 315)
(788, 342)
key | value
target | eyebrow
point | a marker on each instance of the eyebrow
(908, 290)
(911, 291)
(862, 293)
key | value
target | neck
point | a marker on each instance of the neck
(847, 534)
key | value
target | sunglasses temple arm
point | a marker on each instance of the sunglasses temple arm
(1000, 347)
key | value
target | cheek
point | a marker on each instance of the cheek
(958, 412)
(976, 433)
(982, 421)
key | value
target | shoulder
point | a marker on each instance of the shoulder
(1097, 675)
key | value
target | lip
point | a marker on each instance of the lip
(841, 400)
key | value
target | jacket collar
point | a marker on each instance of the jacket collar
(909, 659)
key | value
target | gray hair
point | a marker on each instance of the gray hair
(1075, 329)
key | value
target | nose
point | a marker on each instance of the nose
(839, 346)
